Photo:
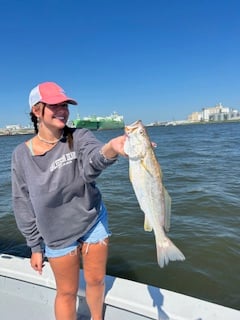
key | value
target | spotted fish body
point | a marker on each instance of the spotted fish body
(146, 177)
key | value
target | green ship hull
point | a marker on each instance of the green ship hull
(113, 121)
(108, 125)
(87, 124)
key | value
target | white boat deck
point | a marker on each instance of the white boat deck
(25, 295)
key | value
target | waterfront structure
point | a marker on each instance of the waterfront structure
(15, 129)
(215, 114)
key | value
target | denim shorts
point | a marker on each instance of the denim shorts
(96, 234)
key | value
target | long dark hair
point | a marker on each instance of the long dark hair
(67, 132)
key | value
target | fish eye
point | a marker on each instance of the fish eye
(141, 132)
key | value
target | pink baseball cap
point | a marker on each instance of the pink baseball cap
(50, 93)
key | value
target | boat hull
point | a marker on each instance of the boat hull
(114, 121)
(24, 294)
(98, 125)
(109, 125)
(87, 124)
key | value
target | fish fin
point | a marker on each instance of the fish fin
(167, 217)
(167, 251)
(145, 167)
(147, 226)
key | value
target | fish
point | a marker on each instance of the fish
(146, 177)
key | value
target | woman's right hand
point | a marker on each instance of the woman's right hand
(37, 261)
(114, 147)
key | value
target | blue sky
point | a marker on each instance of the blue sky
(146, 59)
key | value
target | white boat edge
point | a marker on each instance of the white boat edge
(22, 291)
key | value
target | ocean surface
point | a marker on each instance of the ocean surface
(201, 168)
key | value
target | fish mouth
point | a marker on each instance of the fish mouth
(133, 126)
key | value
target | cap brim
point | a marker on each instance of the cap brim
(59, 99)
(71, 101)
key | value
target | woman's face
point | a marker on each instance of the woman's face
(52, 114)
(58, 113)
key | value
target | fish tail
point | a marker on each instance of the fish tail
(167, 251)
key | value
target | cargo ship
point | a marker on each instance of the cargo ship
(113, 121)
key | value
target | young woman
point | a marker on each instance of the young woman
(57, 205)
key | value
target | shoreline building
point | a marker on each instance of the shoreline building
(215, 114)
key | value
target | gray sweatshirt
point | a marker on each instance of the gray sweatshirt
(55, 197)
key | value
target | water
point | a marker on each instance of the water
(201, 171)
